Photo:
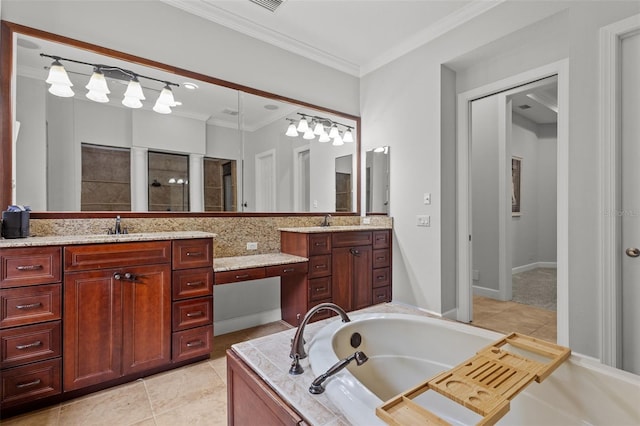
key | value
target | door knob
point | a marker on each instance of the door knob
(633, 252)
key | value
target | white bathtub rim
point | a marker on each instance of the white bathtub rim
(355, 400)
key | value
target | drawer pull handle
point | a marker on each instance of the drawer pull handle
(29, 267)
(319, 289)
(26, 385)
(320, 244)
(195, 284)
(381, 296)
(195, 343)
(354, 252)
(321, 266)
(242, 276)
(381, 258)
(288, 270)
(29, 345)
(29, 306)
(195, 314)
(194, 253)
(380, 277)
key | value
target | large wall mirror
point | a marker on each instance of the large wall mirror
(214, 147)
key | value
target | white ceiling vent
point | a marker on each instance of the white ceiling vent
(270, 5)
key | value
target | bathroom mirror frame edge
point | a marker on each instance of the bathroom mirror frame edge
(7, 34)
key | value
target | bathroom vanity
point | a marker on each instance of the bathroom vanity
(82, 313)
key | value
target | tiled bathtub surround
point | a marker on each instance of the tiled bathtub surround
(232, 233)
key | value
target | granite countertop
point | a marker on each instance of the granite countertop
(338, 228)
(269, 357)
(102, 238)
(223, 264)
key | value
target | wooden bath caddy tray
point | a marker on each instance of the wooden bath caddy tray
(484, 383)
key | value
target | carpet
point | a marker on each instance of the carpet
(536, 287)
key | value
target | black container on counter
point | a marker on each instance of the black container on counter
(15, 224)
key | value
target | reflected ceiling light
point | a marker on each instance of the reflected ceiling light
(98, 88)
(59, 80)
(189, 85)
(379, 149)
(318, 127)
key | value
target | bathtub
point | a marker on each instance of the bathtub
(405, 350)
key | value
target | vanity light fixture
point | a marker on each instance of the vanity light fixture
(325, 128)
(99, 89)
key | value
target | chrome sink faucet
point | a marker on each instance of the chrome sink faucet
(327, 220)
(117, 229)
(297, 345)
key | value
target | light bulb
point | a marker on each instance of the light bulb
(291, 131)
(334, 131)
(308, 134)
(98, 83)
(166, 97)
(303, 125)
(58, 75)
(318, 129)
(324, 137)
(348, 136)
(172, 180)
(134, 90)
(337, 141)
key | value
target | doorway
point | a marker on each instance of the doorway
(499, 203)
(266, 181)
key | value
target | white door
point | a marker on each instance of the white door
(302, 179)
(266, 181)
(630, 214)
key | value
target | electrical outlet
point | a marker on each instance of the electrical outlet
(315, 204)
(252, 246)
(427, 198)
(423, 220)
(366, 221)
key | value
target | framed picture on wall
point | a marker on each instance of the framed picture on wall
(516, 174)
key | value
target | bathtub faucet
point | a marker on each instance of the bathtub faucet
(317, 388)
(297, 345)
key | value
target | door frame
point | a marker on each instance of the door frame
(262, 179)
(610, 276)
(299, 180)
(464, 243)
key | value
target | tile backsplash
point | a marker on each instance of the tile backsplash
(233, 233)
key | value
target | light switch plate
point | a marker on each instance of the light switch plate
(423, 220)
(252, 246)
(427, 198)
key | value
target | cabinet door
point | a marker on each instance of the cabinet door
(146, 317)
(351, 280)
(92, 328)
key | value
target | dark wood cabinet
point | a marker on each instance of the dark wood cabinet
(117, 321)
(349, 268)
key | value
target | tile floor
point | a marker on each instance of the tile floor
(192, 395)
(507, 317)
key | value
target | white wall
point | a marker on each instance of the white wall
(511, 38)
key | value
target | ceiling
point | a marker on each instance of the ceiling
(539, 104)
(377, 31)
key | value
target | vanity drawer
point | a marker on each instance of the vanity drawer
(192, 313)
(381, 277)
(29, 382)
(29, 343)
(192, 343)
(288, 269)
(194, 253)
(381, 258)
(189, 283)
(382, 295)
(319, 266)
(29, 305)
(30, 266)
(323, 314)
(239, 275)
(319, 244)
(115, 255)
(319, 289)
(381, 239)
(351, 238)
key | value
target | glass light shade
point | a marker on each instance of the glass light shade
(318, 129)
(97, 96)
(161, 108)
(63, 91)
(324, 137)
(379, 149)
(132, 102)
(348, 136)
(291, 131)
(58, 75)
(172, 180)
(334, 131)
(166, 97)
(134, 90)
(308, 134)
(303, 125)
(337, 141)
(98, 83)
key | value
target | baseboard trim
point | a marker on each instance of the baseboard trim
(534, 265)
(240, 323)
(486, 292)
(451, 314)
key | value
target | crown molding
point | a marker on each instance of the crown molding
(444, 25)
(213, 13)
